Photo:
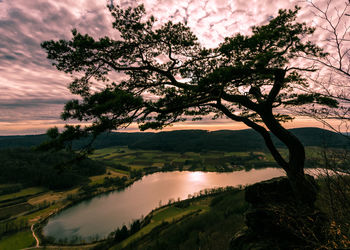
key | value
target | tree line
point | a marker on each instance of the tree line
(54, 170)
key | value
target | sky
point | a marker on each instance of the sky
(33, 92)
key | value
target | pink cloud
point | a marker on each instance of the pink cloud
(29, 80)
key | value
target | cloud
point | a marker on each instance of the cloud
(31, 88)
(212, 20)
(29, 103)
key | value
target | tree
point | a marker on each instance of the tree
(331, 18)
(170, 77)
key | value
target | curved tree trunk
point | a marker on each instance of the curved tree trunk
(303, 187)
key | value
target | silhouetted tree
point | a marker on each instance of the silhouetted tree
(169, 77)
(121, 234)
(331, 17)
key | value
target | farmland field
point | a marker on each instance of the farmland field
(17, 240)
(207, 161)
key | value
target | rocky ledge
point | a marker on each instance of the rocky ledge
(275, 220)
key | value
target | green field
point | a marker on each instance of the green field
(14, 209)
(168, 214)
(214, 218)
(22, 193)
(207, 161)
(17, 240)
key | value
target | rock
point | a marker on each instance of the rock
(277, 220)
(276, 190)
(247, 240)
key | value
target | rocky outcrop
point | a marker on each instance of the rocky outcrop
(276, 220)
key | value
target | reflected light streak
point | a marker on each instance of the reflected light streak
(196, 177)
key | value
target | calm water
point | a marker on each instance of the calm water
(101, 215)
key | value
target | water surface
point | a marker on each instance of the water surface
(99, 216)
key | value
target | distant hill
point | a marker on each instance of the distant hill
(21, 140)
(191, 140)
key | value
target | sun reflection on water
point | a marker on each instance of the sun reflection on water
(196, 176)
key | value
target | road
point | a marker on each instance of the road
(36, 238)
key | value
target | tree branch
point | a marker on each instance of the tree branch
(240, 99)
(277, 86)
(261, 130)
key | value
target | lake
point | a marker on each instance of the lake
(97, 217)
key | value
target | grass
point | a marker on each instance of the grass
(17, 241)
(22, 193)
(14, 209)
(139, 159)
(214, 219)
(167, 214)
(110, 172)
(212, 161)
(172, 213)
(50, 196)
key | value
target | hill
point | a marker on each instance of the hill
(191, 140)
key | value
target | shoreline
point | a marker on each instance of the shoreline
(42, 222)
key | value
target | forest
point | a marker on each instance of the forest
(190, 140)
(54, 170)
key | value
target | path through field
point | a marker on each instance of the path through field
(36, 238)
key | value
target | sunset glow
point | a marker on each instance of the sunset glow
(33, 92)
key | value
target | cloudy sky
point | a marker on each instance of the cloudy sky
(33, 92)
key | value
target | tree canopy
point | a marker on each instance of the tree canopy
(168, 76)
